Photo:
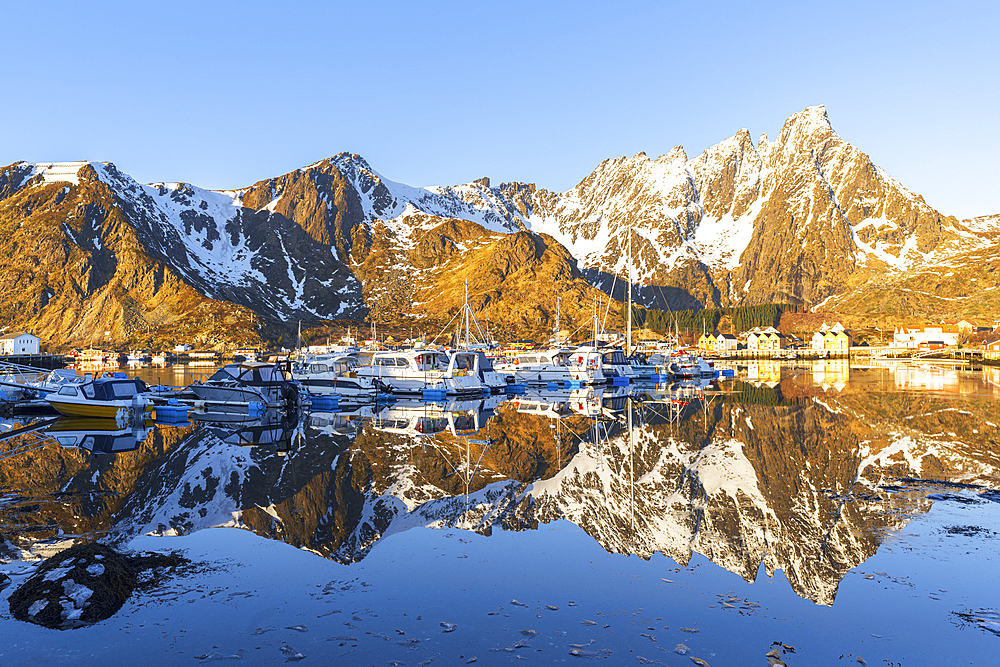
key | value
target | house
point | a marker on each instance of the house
(183, 347)
(726, 343)
(706, 342)
(834, 337)
(966, 326)
(21, 342)
(991, 349)
(766, 339)
(914, 337)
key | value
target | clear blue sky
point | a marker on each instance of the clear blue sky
(222, 94)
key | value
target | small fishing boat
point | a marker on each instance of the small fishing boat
(685, 365)
(106, 398)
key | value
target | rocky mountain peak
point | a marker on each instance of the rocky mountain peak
(806, 128)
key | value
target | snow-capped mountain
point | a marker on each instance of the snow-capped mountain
(803, 219)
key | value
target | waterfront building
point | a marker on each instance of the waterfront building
(20, 342)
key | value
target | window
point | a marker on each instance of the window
(68, 391)
(123, 389)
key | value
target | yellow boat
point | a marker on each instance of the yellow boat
(104, 398)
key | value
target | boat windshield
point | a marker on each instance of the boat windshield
(464, 362)
(615, 358)
(429, 361)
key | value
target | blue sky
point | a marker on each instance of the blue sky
(222, 94)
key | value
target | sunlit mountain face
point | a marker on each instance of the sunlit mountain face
(800, 469)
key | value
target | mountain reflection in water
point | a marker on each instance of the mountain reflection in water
(791, 468)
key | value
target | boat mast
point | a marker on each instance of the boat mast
(465, 317)
(628, 329)
(595, 322)
(558, 313)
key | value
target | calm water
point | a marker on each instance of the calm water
(841, 512)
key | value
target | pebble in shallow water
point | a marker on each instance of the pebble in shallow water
(681, 649)
(291, 655)
(774, 658)
(448, 627)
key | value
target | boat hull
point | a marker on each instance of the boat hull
(101, 410)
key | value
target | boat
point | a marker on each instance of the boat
(98, 358)
(239, 384)
(138, 357)
(684, 365)
(556, 365)
(106, 397)
(418, 370)
(613, 362)
(274, 428)
(336, 375)
(247, 353)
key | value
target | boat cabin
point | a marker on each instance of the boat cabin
(105, 389)
(250, 374)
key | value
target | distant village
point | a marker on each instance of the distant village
(836, 340)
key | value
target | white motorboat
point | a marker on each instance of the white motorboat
(416, 418)
(417, 370)
(556, 365)
(613, 362)
(689, 366)
(336, 375)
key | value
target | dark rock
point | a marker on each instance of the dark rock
(82, 585)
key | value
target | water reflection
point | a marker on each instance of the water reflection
(799, 474)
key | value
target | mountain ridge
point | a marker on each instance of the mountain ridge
(806, 219)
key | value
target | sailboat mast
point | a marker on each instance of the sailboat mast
(628, 328)
(595, 321)
(558, 313)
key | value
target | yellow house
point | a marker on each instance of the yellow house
(839, 340)
(707, 341)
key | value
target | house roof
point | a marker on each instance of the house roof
(12, 336)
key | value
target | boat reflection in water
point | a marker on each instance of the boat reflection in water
(277, 429)
(417, 418)
(101, 436)
(756, 478)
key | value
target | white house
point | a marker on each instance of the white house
(726, 342)
(916, 336)
(182, 347)
(19, 343)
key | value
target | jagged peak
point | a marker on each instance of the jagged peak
(677, 153)
(809, 126)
